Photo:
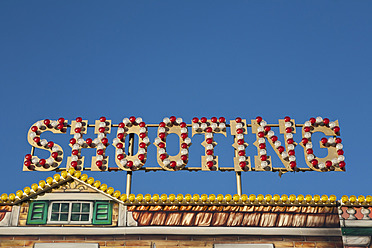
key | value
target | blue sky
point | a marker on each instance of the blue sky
(155, 59)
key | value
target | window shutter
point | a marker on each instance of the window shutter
(102, 213)
(37, 212)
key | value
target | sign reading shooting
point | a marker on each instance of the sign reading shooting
(125, 131)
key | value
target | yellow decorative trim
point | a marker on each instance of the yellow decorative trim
(72, 174)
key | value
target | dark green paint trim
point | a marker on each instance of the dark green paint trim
(357, 231)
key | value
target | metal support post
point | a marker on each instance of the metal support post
(129, 173)
(239, 182)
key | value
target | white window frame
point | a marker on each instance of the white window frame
(69, 221)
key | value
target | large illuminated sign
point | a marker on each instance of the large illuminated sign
(125, 131)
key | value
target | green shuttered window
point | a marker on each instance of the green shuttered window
(70, 212)
(38, 212)
(102, 213)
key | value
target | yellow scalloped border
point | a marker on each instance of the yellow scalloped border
(64, 176)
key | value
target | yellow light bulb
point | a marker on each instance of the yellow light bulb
(332, 198)
(212, 197)
(117, 194)
(369, 199)
(361, 199)
(49, 181)
(148, 197)
(353, 198)
(276, 198)
(34, 187)
(57, 177)
(71, 171)
(204, 197)
(292, 198)
(252, 197)
(228, 198)
(139, 197)
(4, 197)
(236, 198)
(77, 174)
(123, 197)
(27, 190)
(316, 198)
(220, 198)
(84, 177)
(260, 197)
(90, 180)
(188, 197)
(179, 197)
(64, 174)
(195, 197)
(164, 197)
(12, 196)
(19, 193)
(103, 187)
(284, 198)
(268, 198)
(155, 197)
(42, 184)
(97, 183)
(300, 198)
(324, 198)
(172, 197)
(132, 198)
(308, 198)
(110, 190)
(344, 198)
(244, 198)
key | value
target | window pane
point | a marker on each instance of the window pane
(64, 207)
(85, 207)
(75, 207)
(75, 217)
(55, 207)
(54, 217)
(64, 217)
(84, 217)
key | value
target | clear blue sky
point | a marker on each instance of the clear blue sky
(189, 58)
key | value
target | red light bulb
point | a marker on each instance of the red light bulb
(258, 119)
(46, 122)
(34, 128)
(79, 119)
(195, 120)
(214, 119)
(104, 141)
(203, 119)
(210, 164)
(172, 164)
(238, 119)
(222, 119)
(133, 120)
(172, 119)
(141, 157)
(130, 164)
